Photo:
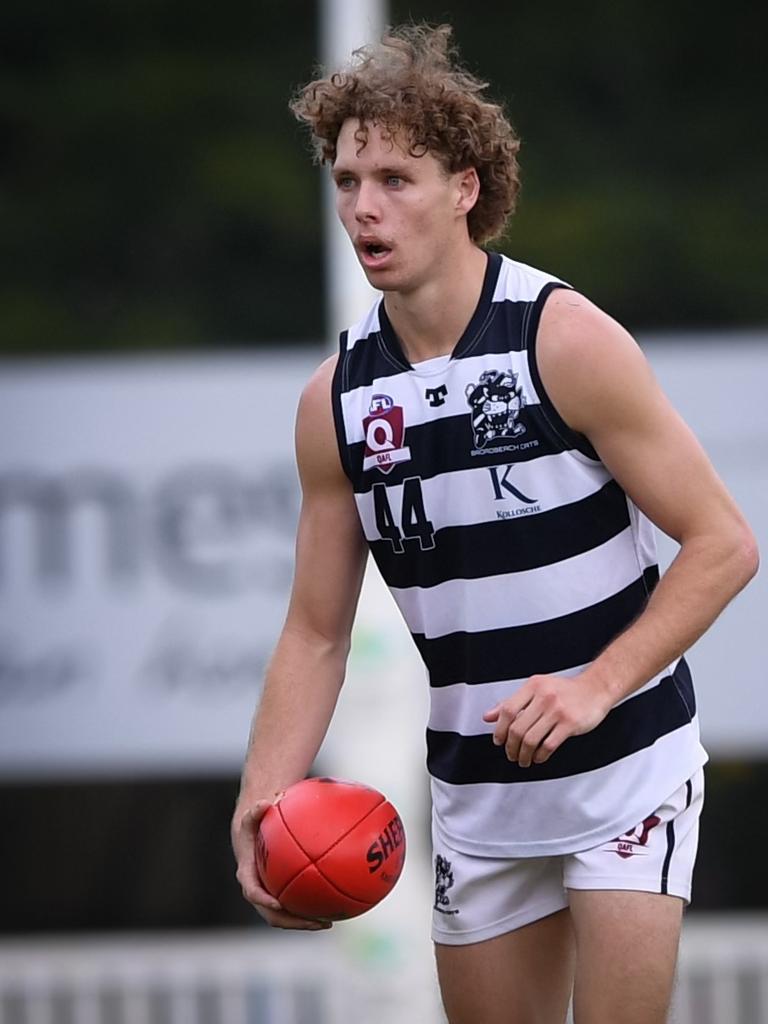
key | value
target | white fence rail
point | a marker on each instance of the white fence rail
(230, 978)
(247, 978)
(723, 975)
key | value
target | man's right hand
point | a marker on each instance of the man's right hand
(245, 825)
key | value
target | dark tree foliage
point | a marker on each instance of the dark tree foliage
(155, 192)
(645, 159)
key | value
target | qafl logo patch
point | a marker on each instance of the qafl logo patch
(384, 431)
(634, 842)
(496, 402)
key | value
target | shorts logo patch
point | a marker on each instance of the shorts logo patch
(634, 842)
(384, 431)
(443, 882)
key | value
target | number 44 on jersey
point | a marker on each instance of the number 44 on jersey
(413, 524)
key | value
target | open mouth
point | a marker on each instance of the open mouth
(374, 252)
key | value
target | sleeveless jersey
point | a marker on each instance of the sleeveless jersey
(510, 551)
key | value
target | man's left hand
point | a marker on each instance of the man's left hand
(544, 712)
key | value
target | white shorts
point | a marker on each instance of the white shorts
(478, 898)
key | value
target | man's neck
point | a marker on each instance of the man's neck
(430, 320)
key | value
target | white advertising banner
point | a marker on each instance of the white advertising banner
(147, 517)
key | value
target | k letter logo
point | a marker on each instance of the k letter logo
(501, 485)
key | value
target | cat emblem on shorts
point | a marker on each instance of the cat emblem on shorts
(443, 882)
(496, 401)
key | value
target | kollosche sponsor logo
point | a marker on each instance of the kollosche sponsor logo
(503, 490)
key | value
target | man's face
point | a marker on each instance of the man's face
(399, 211)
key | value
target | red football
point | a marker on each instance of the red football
(330, 849)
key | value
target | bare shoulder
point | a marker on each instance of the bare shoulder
(317, 451)
(601, 384)
(569, 313)
(315, 401)
(591, 366)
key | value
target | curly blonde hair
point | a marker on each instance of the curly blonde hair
(412, 83)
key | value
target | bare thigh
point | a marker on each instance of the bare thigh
(522, 977)
(626, 955)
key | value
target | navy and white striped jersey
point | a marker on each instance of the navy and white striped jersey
(510, 551)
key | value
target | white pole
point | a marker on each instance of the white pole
(345, 25)
(377, 732)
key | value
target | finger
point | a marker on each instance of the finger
(503, 723)
(244, 842)
(251, 884)
(272, 910)
(492, 714)
(525, 720)
(244, 828)
(282, 919)
(532, 739)
(254, 813)
(253, 891)
(550, 743)
(244, 846)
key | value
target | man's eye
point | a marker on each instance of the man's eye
(345, 183)
(394, 180)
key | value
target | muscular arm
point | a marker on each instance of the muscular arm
(307, 669)
(603, 388)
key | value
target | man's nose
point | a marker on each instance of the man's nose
(366, 207)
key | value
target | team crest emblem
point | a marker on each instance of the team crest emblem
(384, 431)
(496, 401)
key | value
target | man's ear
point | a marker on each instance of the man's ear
(468, 187)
